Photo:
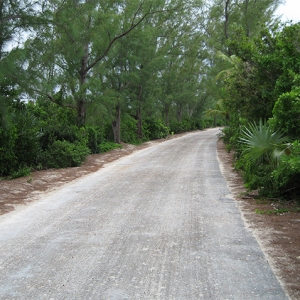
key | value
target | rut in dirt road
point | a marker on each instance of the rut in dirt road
(157, 224)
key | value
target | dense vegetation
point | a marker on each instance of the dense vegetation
(80, 77)
(262, 88)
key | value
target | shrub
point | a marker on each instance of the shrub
(63, 154)
(19, 144)
(287, 111)
(261, 143)
(155, 129)
(27, 145)
(287, 176)
(95, 137)
(262, 148)
(8, 158)
(20, 173)
(129, 129)
(183, 126)
(60, 132)
(256, 175)
(107, 146)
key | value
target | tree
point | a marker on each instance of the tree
(17, 17)
(225, 15)
(67, 54)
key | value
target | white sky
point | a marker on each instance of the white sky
(290, 11)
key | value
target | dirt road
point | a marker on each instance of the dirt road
(157, 224)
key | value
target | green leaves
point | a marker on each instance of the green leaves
(263, 144)
(287, 112)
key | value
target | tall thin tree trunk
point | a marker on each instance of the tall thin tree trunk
(1, 27)
(139, 131)
(81, 112)
(247, 27)
(179, 113)
(226, 23)
(81, 102)
(116, 125)
(166, 113)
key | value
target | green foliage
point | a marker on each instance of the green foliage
(8, 158)
(256, 176)
(95, 137)
(129, 129)
(184, 126)
(272, 211)
(107, 146)
(61, 132)
(262, 149)
(265, 86)
(27, 145)
(218, 115)
(267, 69)
(261, 143)
(92, 140)
(63, 154)
(155, 129)
(287, 112)
(19, 140)
(20, 173)
(231, 133)
(287, 176)
(156, 66)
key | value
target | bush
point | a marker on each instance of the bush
(20, 173)
(63, 154)
(184, 126)
(287, 111)
(27, 145)
(256, 176)
(95, 137)
(155, 129)
(261, 150)
(8, 158)
(287, 176)
(51, 133)
(129, 129)
(19, 141)
(107, 146)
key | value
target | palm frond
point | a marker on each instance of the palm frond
(263, 144)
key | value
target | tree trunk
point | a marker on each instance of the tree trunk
(81, 112)
(226, 23)
(81, 103)
(1, 27)
(139, 129)
(179, 113)
(166, 112)
(247, 27)
(116, 125)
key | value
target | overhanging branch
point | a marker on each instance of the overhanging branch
(133, 26)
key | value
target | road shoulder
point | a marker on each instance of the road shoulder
(277, 234)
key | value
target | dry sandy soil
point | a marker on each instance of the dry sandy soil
(278, 234)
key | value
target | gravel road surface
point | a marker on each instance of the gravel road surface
(157, 224)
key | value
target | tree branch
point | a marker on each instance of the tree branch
(60, 104)
(10, 18)
(53, 100)
(133, 26)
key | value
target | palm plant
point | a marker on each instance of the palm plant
(233, 60)
(218, 111)
(262, 144)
